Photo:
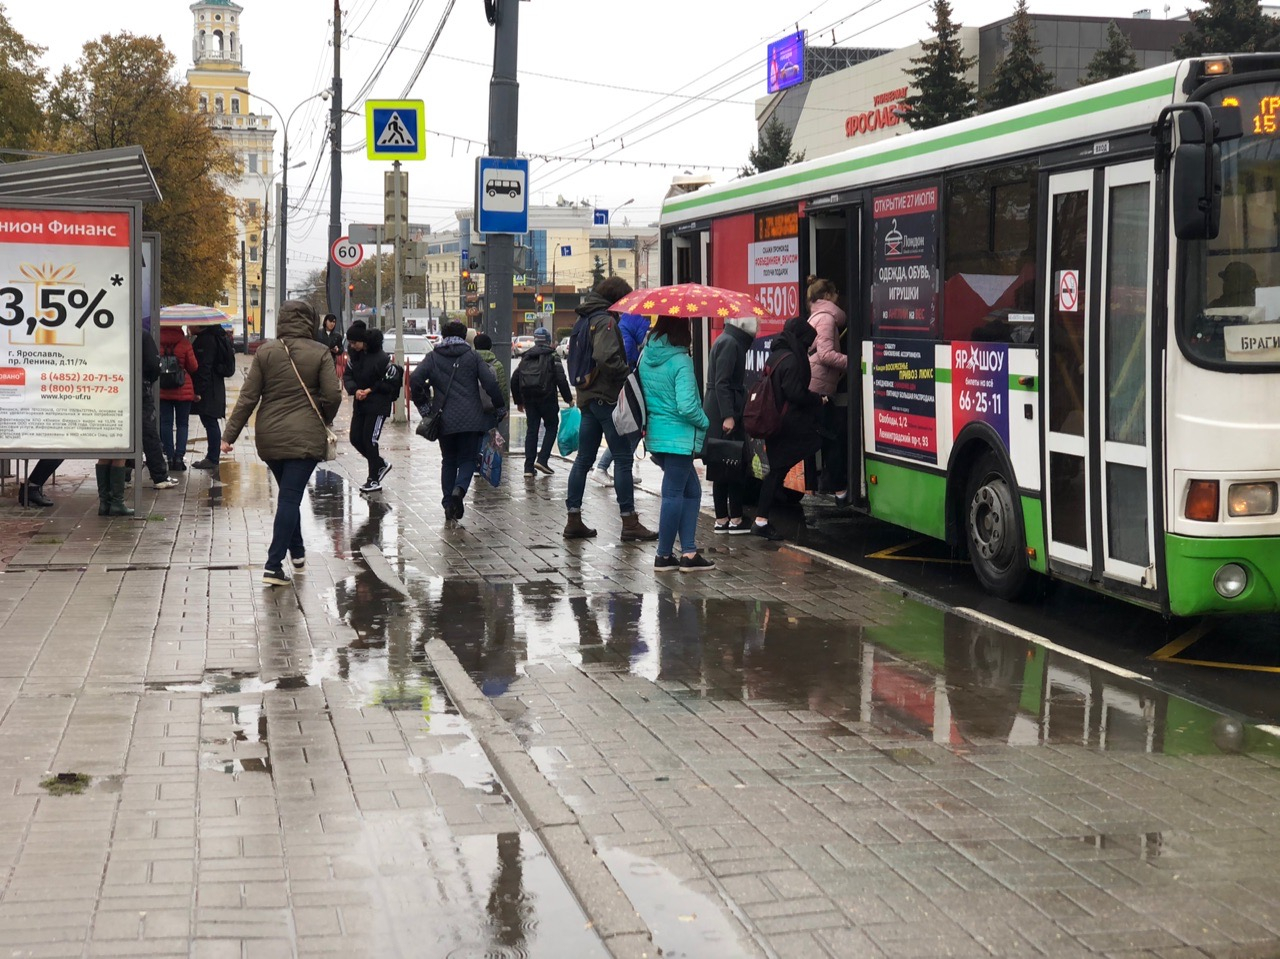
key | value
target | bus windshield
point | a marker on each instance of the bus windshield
(1231, 315)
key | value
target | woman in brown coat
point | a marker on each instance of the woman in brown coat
(289, 434)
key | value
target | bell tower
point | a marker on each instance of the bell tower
(219, 79)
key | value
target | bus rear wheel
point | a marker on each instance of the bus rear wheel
(993, 530)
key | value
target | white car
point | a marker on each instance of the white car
(416, 346)
(562, 350)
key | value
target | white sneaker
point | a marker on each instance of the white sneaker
(602, 477)
(167, 483)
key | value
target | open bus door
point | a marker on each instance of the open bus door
(831, 249)
(690, 259)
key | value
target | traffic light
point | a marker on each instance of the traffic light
(538, 297)
(466, 275)
(351, 287)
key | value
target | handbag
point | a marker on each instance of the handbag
(491, 457)
(433, 419)
(330, 438)
(567, 436)
(726, 459)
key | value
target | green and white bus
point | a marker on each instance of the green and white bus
(1068, 319)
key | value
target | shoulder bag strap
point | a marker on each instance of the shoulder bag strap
(310, 399)
(445, 395)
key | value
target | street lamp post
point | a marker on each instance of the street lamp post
(610, 226)
(283, 245)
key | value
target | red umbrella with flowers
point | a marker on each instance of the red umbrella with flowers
(689, 299)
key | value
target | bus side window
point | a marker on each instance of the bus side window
(990, 269)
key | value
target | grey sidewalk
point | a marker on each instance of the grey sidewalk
(775, 758)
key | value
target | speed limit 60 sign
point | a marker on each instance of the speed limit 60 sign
(345, 253)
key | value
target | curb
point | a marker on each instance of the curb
(611, 913)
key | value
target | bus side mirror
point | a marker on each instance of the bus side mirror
(1197, 191)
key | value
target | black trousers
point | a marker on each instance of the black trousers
(41, 472)
(781, 461)
(366, 430)
(152, 448)
(727, 497)
(540, 412)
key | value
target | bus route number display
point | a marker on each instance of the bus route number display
(65, 327)
(904, 287)
(905, 399)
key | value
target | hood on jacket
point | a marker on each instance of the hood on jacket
(660, 350)
(451, 347)
(593, 302)
(828, 307)
(171, 336)
(373, 341)
(747, 324)
(488, 356)
(297, 320)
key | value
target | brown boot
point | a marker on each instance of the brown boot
(634, 532)
(575, 528)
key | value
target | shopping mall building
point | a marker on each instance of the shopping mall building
(853, 97)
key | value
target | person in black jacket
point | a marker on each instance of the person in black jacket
(449, 379)
(533, 388)
(152, 448)
(373, 379)
(217, 361)
(331, 336)
(724, 401)
(798, 435)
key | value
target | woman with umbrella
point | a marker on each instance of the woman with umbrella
(217, 361)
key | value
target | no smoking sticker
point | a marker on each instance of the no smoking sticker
(1069, 291)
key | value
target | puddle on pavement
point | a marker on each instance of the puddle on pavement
(684, 923)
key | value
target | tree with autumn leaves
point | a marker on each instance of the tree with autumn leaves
(124, 91)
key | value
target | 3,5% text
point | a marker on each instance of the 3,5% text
(53, 308)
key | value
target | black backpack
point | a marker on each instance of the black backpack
(172, 375)
(538, 379)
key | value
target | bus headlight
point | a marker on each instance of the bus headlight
(1251, 499)
(1230, 580)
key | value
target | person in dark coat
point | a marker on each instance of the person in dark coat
(450, 378)
(373, 383)
(152, 448)
(634, 328)
(217, 361)
(534, 385)
(330, 336)
(723, 403)
(798, 435)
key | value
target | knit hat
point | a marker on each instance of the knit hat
(542, 336)
(356, 331)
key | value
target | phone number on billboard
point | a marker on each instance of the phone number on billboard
(780, 300)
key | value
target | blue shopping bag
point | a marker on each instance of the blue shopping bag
(567, 438)
(491, 457)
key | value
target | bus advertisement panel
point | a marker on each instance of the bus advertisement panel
(904, 289)
(905, 404)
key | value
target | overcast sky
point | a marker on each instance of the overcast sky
(642, 81)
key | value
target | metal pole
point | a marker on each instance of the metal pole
(504, 109)
(377, 280)
(266, 222)
(282, 243)
(335, 279)
(399, 414)
(244, 297)
(608, 222)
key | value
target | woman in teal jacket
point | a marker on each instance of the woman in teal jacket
(675, 429)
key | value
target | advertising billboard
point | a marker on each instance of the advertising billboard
(786, 62)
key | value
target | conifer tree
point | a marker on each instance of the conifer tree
(1227, 26)
(1019, 77)
(1116, 59)
(774, 150)
(938, 75)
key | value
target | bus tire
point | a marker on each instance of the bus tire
(993, 530)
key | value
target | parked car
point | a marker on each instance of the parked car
(522, 345)
(562, 349)
(416, 346)
(237, 343)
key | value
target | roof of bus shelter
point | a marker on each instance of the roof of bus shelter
(104, 176)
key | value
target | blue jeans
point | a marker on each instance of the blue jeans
(606, 458)
(174, 413)
(292, 477)
(681, 498)
(458, 452)
(597, 424)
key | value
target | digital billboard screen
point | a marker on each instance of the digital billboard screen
(786, 62)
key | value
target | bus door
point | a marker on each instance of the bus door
(691, 260)
(1099, 493)
(833, 254)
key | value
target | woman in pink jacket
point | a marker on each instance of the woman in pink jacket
(829, 363)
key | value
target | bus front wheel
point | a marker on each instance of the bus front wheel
(993, 528)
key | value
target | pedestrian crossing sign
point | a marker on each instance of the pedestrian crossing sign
(394, 130)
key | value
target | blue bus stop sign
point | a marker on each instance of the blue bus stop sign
(502, 195)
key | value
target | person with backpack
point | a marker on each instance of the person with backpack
(216, 361)
(152, 449)
(537, 379)
(675, 428)
(597, 369)
(483, 345)
(449, 380)
(373, 380)
(634, 329)
(796, 435)
(724, 402)
(178, 365)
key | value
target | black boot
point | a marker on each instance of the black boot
(104, 489)
(32, 495)
(115, 505)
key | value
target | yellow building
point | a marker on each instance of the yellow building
(219, 69)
